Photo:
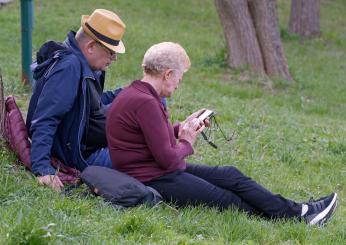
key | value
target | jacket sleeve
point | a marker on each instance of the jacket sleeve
(156, 130)
(56, 99)
(108, 96)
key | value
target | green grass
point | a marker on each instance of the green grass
(290, 139)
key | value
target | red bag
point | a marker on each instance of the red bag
(17, 137)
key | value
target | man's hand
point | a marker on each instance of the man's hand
(52, 181)
(190, 130)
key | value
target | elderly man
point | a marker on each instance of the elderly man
(143, 144)
(67, 111)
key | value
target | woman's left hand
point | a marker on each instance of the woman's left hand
(192, 116)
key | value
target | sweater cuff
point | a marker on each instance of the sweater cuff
(188, 147)
(176, 127)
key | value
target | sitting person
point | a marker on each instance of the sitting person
(143, 144)
(67, 112)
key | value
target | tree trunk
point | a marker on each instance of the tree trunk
(240, 34)
(268, 33)
(2, 108)
(305, 18)
(253, 36)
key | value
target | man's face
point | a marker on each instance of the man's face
(101, 57)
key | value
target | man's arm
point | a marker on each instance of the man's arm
(56, 99)
(108, 96)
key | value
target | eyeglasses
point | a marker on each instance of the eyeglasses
(108, 51)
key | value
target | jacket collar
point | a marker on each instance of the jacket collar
(71, 43)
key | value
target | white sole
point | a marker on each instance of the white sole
(321, 215)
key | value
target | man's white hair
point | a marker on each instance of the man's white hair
(163, 56)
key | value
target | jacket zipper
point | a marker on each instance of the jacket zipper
(83, 115)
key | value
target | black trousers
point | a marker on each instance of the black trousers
(223, 187)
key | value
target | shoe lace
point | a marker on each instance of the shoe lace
(311, 200)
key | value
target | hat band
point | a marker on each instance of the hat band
(102, 37)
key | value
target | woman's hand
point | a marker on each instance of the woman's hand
(194, 116)
(190, 129)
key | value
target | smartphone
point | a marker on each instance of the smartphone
(206, 114)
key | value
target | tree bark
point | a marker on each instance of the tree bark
(2, 108)
(268, 33)
(305, 18)
(253, 36)
(240, 34)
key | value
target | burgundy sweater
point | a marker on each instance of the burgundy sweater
(141, 141)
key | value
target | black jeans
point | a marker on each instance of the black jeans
(223, 187)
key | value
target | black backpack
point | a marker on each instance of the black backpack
(119, 188)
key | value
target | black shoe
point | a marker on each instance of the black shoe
(320, 211)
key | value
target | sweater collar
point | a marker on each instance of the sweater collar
(146, 88)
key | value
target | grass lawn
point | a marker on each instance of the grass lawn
(290, 139)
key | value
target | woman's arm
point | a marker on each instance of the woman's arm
(159, 136)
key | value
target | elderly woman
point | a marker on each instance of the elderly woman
(143, 144)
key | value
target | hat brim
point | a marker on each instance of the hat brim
(120, 48)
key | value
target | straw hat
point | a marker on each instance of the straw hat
(105, 27)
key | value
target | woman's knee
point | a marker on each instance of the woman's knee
(233, 171)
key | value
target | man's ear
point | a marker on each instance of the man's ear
(90, 46)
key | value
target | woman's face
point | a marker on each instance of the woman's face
(172, 78)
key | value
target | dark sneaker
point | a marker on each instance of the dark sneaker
(320, 211)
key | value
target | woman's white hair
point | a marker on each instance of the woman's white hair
(163, 56)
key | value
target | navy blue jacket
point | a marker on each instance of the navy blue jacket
(59, 107)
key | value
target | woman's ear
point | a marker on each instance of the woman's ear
(168, 73)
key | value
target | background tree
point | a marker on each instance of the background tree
(2, 107)
(305, 18)
(253, 36)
